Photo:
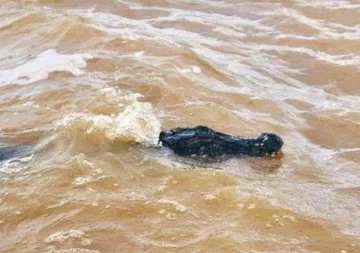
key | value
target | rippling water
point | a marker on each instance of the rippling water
(88, 86)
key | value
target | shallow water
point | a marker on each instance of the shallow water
(88, 85)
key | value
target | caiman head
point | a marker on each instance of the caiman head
(166, 138)
(267, 144)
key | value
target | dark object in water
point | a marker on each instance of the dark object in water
(202, 141)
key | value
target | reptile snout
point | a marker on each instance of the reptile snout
(163, 134)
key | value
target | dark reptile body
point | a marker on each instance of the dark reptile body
(205, 142)
(198, 141)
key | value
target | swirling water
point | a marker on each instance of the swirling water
(88, 85)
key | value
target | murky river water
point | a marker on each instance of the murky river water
(88, 85)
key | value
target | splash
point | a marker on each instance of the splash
(137, 124)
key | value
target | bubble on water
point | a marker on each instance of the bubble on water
(268, 225)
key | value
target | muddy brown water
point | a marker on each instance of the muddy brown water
(92, 83)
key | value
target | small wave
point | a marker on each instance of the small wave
(137, 123)
(45, 63)
(63, 236)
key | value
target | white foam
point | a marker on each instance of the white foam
(82, 180)
(27, 158)
(196, 69)
(139, 54)
(64, 235)
(193, 69)
(88, 164)
(341, 60)
(12, 166)
(41, 66)
(137, 123)
(184, 71)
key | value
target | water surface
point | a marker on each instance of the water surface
(90, 84)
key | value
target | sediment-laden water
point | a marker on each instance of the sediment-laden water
(86, 87)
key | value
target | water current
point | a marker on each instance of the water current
(86, 87)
